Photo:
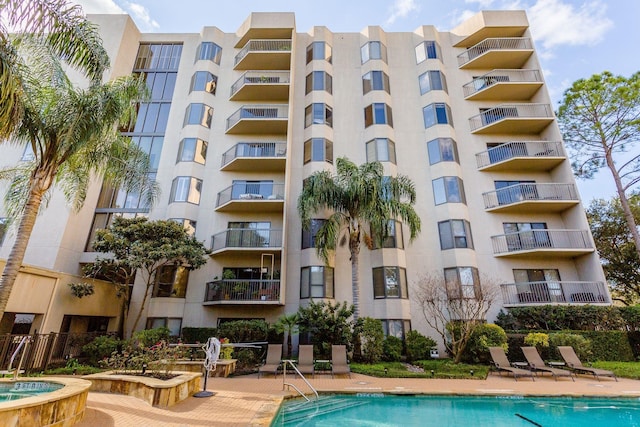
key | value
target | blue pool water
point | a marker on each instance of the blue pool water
(378, 410)
(22, 389)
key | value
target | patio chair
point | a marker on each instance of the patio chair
(274, 358)
(339, 364)
(306, 364)
(502, 364)
(573, 362)
(536, 363)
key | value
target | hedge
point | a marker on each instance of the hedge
(198, 335)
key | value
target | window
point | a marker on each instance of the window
(442, 150)
(309, 235)
(432, 80)
(152, 117)
(174, 324)
(203, 81)
(318, 150)
(455, 233)
(28, 154)
(542, 285)
(189, 224)
(319, 50)
(390, 282)
(508, 192)
(427, 50)
(316, 282)
(394, 237)
(377, 114)
(158, 56)
(319, 80)
(438, 113)
(159, 84)
(396, 327)
(245, 234)
(198, 114)
(192, 150)
(171, 281)
(318, 114)
(381, 150)
(462, 282)
(375, 80)
(526, 235)
(249, 190)
(4, 222)
(209, 51)
(448, 189)
(186, 189)
(373, 50)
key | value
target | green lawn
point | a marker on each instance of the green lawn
(621, 369)
(441, 369)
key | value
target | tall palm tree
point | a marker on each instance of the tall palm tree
(359, 198)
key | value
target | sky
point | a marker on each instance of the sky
(574, 38)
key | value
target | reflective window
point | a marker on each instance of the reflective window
(189, 224)
(186, 189)
(319, 80)
(318, 114)
(198, 114)
(378, 114)
(316, 282)
(203, 81)
(462, 282)
(381, 150)
(171, 282)
(432, 80)
(455, 233)
(448, 189)
(442, 150)
(319, 50)
(318, 150)
(394, 236)
(209, 51)
(438, 113)
(390, 282)
(395, 327)
(375, 80)
(309, 235)
(427, 50)
(158, 56)
(373, 50)
(192, 150)
(174, 324)
(152, 117)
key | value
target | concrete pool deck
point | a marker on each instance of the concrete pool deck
(249, 401)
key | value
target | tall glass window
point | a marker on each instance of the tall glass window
(432, 80)
(320, 51)
(437, 113)
(186, 189)
(373, 50)
(209, 51)
(192, 150)
(318, 150)
(375, 80)
(318, 114)
(427, 50)
(316, 282)
(448, 189)
(442, 150)
(381, 150)
(203, 81)
(198, 114)
(319, 80)
(378, 114)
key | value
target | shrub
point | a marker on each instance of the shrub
(149, 337)
(326, 324)
(484, 336)
(537, 339)
(392, 348)
(609, 345)
(580, 344)
(244, 330)
(567, 317)
(198, 335)
(372, 340)
(100, 348)
(418, 346)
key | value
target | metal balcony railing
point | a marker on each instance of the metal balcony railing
(246, 238)
(541, 239)
(501, 43)
(255, 150)
(501, 76)
(261, 78)
(505, 111)
(509, 150)
(258, 112)
(243, 290)
(529, 191)
(263, 190)
(263, 46)
(551, 292)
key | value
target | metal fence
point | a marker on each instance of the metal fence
(503, 43)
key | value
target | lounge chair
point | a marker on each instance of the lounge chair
(573, 362)
(537, 364)
(339, 364)
(502, 364)
(274, 357)
(306, 364)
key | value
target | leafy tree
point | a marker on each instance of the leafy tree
(137, 246)
(372, 339)
(359, 198)
(418, 346)
(615, 246)
(328, 324)
(287, 324)
(392, 348)
(600, 121)
(485, 335)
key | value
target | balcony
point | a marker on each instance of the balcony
(501, 52)
(237, 291)
(532, 293)
(259, 119)
(261, 85)
(255, 156)
(531, 198)
(246, 240)
(512, 118)
(542, 243)
(512, 85)
(263, 196)
(521, 156)
(264, 55)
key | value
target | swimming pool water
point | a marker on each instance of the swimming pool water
(22, 389)
(377, 410)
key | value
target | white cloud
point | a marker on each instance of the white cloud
(99, 6)
(400, 9)
(482, 4)
(140, 14)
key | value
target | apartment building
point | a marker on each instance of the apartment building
(237, 121)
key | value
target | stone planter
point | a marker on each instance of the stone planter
(161, 393)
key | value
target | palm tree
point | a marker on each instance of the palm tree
(357, 197)
(287, 324)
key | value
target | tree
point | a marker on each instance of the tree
(142, 247)
(451, 311)
(358, 197)
(287, 324)
(328, 324)
(615, 246)
(600, 122)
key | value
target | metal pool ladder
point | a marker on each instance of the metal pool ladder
(295, 368)
(23, 342)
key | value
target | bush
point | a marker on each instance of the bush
(392, 348)
(418, 346)
(568, 317)
(372, 340)
(149, 337)
(484, 336)
(101, 348)
(580, 344)
(609, 345)
(537, 339)
(198, 335)
(244, 330)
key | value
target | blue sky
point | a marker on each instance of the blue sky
(574, 38)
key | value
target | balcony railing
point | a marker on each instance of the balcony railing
(510, 150)
(551, 292)
(247, 238)
(263, 46)
(252, 191)
(501, 76)
(243, 290)
(510, 111)
(541, 239)
(255, 150)
(502, 43)
(258, 112)
(261, 78)
(529, 192)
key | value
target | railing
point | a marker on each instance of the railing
(255, 150)
(549, 292)
(503, 43)
(509, 150)
(505, 111)
(243, 290)
(247, 238)
(263, 190)
(529, 191)
(292, 363)
(258, 112)
(541, 239)
(501, 76)
(263, 46)
(261, 77)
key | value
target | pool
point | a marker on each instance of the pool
(22, 389)
(373, 409)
